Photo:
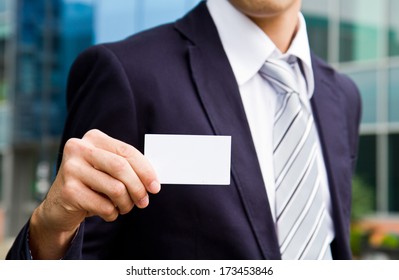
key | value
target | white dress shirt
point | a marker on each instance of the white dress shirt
(247, 48)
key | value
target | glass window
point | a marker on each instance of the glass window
(159, 11)
(115, 20)
(4, 124)
(360, 25)
(3, 90)
(393, 31)
(28, 75)
(5, 28)
(73, 40)
(2, 5)
(367, 83)
(393, 173)
(118, 19)
(366, 166)
(317, 25)
(394, 95)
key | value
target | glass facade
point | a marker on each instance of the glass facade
(367, 84)
(37, 92)
(120, 18)
(360, 29)
(394, 95)
(394, 172)
(393, 31)
(74, 40)
(5, 28)
(317, 23)
(42, 38)
(366, 166)
(5, 32)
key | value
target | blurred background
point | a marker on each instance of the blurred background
(39, 39)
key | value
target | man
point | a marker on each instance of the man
(202, 75)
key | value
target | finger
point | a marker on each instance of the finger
(103, 183)
(79, 196)
(126, 181)
(135, 158)
(79, 168)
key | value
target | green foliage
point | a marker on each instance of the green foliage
(358, 240)
(3, 91)
(390, 241)
(363, 199)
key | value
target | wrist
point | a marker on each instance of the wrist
(45, 240)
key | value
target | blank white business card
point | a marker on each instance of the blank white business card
(190, 159)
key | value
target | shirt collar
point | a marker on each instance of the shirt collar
(248, 47)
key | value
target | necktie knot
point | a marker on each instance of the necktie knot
(280, 74)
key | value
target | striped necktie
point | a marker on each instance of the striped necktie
(301, 214)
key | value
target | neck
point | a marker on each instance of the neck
(280, 28)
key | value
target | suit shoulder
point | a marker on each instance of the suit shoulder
(145, 49)
(140, 52)
(149, 42)
(342, 86)
(336, 78)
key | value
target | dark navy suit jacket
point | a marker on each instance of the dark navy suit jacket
(176, 79)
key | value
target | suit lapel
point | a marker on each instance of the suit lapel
(219, 94)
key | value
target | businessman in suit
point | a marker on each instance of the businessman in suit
(199, 75)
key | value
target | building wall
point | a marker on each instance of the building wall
(40, 39)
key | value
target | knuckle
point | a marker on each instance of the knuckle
(72, 145)
(126, 209)
(111, 218)
(69, 190)
(69, 168)
(125, 150)
(138, 193)
(147, 175)
(117, 189)
(108, 211)
(92, 134)
(118, 165)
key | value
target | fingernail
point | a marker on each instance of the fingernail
(142, 203)
(154, 187)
